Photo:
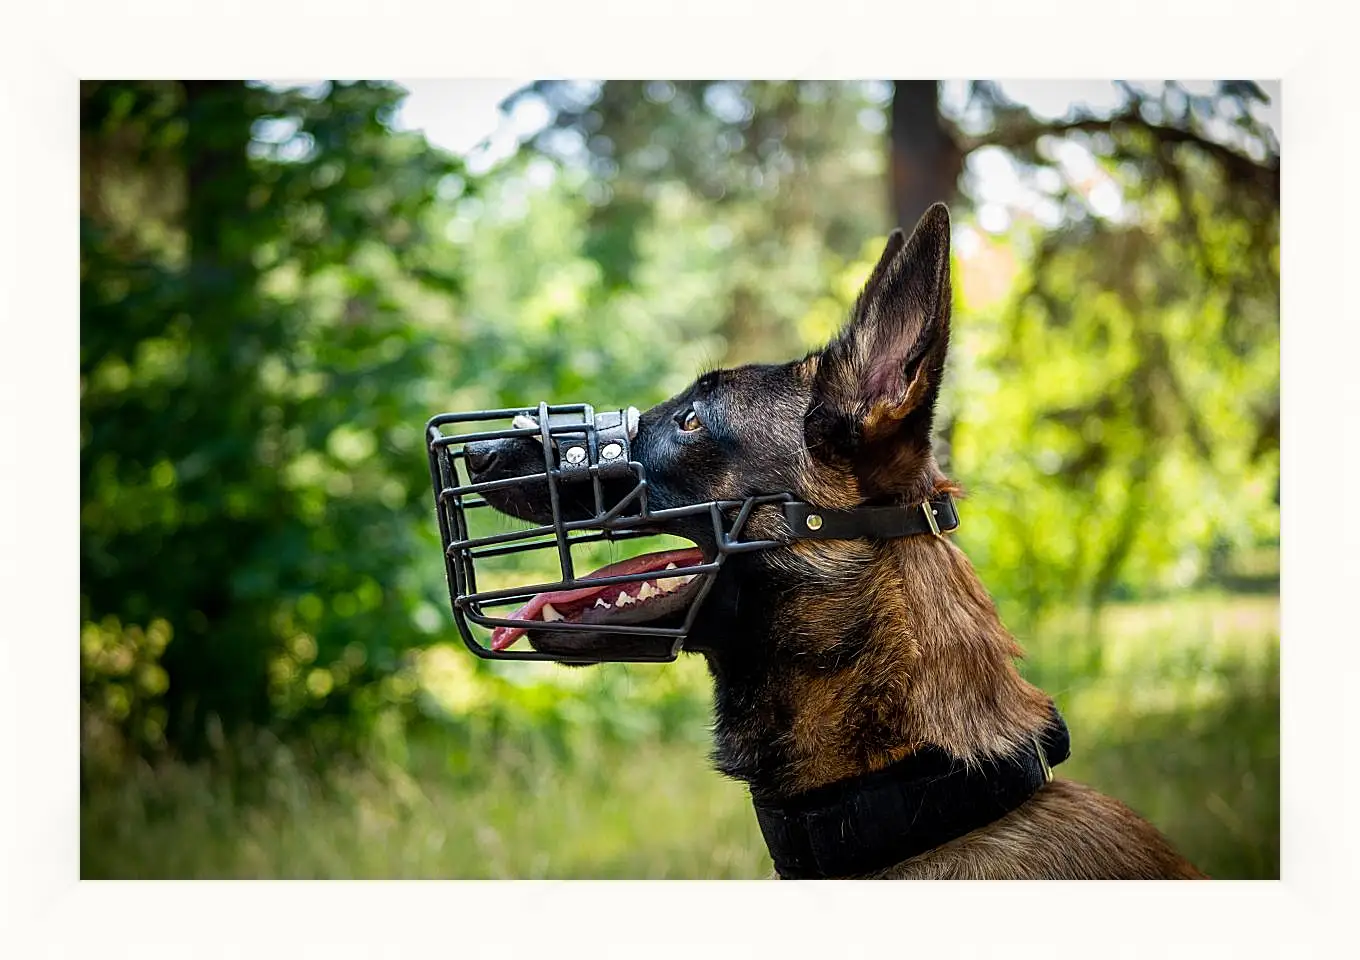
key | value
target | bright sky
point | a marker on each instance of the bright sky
(459, 114)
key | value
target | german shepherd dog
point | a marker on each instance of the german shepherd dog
(834, 661)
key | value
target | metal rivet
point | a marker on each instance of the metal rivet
(814, 521)
(611, 451)
(575, 454)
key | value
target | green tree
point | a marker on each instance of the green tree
(251, 386)
(1139, 356)
(782, 178)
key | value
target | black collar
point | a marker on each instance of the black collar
(807, 522)
(872, 822)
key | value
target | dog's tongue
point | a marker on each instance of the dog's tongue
(503, 637)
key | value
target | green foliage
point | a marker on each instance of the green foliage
(1111, 450)
(553, 327)
(251, 382)
(720, 204)
(1117, 410)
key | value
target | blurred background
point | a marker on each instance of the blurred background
(280, 282)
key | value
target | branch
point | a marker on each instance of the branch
(1237, 166)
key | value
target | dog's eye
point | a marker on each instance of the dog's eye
(688, 421)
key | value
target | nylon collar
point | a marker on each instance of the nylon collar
(868, 823)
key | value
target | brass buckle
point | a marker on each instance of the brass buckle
(1043, 760)
(929, 511)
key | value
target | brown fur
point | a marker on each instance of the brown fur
(939, 669)
(1067, 831)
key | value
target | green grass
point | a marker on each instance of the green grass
(1175, 711)
(1179, 716)
(645, 811)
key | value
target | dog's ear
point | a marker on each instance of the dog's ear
(878, 379)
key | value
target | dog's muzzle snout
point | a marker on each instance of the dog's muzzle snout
(482, 456)
(576, 476)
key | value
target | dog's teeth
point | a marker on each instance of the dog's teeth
(675, 583)
(648, 590)
(550, 613)
(623, 600)
(671, 565)
(599, 602)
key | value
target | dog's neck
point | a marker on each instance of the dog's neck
(867, 652)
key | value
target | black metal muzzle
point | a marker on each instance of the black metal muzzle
(571, 473)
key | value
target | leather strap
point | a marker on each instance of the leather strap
(935, 516)
(603, 447)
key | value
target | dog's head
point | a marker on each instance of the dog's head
(845, 426)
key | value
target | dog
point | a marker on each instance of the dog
(865, 689)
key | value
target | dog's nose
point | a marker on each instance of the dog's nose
(481, 457)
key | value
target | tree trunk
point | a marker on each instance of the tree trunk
(217, 675)
(925, 160)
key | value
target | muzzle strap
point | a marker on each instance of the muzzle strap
(603, 445)
(614, 432)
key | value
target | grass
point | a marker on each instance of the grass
(1175, 711)
(656, 813)
(1180, 719)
